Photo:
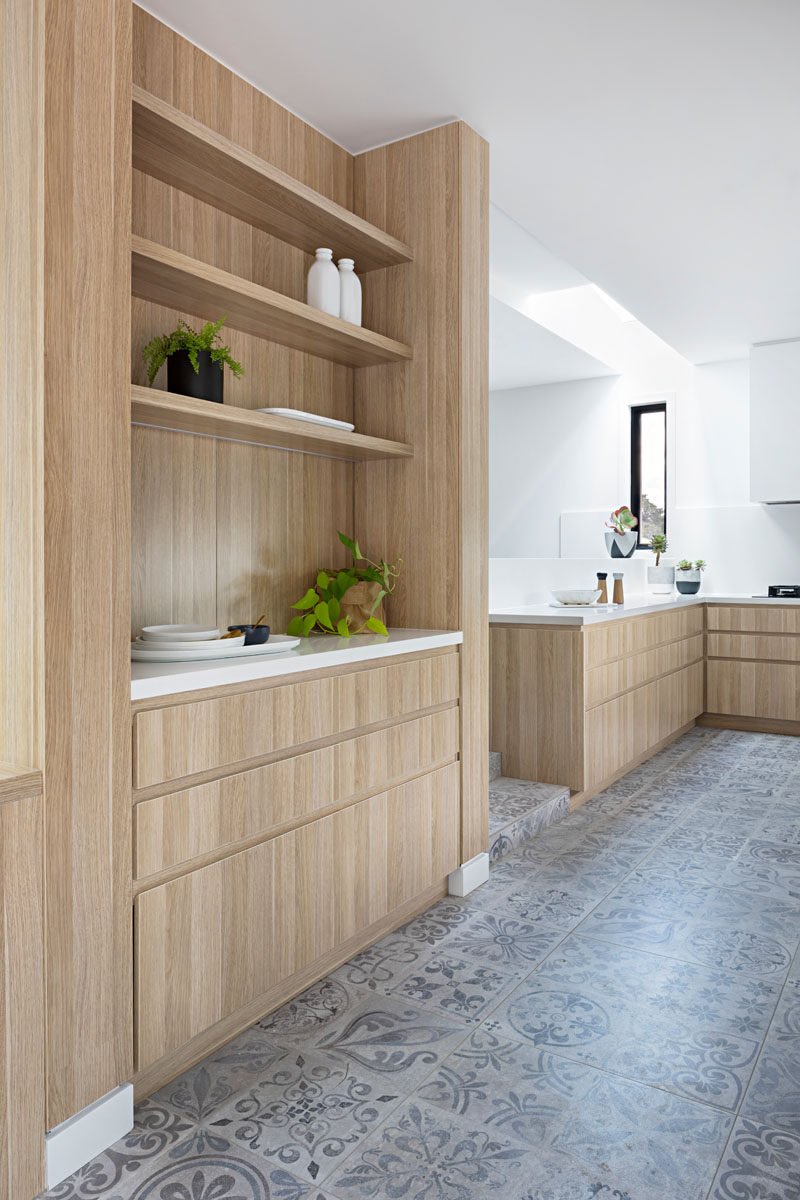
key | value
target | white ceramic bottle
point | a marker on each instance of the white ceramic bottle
(322, 285)
(349, 292)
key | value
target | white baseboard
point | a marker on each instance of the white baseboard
(79, 1139)
(469, 875)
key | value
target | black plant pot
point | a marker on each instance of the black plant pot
(181, 377)
(688, 587)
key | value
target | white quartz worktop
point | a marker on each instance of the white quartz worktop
(165, 679)
(635, 606)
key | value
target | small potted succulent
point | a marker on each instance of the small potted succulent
(689, 574)
(621, 540)
(661, 576)
(195, 360)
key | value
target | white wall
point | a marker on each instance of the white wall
(559, 462)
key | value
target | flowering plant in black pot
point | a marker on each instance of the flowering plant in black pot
(195, 360)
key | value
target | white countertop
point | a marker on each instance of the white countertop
(636, 606)
(165, 679)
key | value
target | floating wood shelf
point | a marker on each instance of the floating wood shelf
(164, 276)
(193, 158)
(183, 414)
(18, 783)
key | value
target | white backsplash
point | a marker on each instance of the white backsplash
(531, 580)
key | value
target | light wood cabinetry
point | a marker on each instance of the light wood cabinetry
(581, 705)
(213, 940)
(754, 618)
(753, 669)
(22, 1030)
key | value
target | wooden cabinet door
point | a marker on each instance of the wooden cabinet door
(212, 941)
(754, 689)
(22, 1116)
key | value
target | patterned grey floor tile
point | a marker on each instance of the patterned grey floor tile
(647, 1140)
(400, 1042)
(781, 827)
(455, 986)
(380, 966)
(759, 1163)
(436, 922)
(504, 942)
(773, 1097)
(307, 1113)
(536, 903)
(305, 1018)
(692, 1032)
(421, 1153)
(744, 872)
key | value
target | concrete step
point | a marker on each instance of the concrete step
(495, 765)
(519, 809)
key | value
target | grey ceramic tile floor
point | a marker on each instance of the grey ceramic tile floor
(614, 1016)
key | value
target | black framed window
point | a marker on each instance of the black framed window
(649, 470)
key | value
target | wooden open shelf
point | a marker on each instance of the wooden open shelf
(183, 414)
(164, 276)
(193, 158)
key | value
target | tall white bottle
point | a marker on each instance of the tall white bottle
(322, 285)
(350, 292)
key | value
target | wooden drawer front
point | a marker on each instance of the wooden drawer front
(606, 642)
(184, 739)
(169, 830)
(754, 689)
(213, 940)
(765, 646)
(638, 669)
(624, 729)
(755, 618)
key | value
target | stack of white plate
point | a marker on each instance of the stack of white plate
(195, 643)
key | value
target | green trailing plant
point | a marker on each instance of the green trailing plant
(321, 607)
(159, 349)
(686, 564)
(622, 520)
(658, 545)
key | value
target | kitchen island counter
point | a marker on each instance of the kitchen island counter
(636, 606)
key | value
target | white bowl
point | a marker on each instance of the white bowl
(179, 633)
(582, 596)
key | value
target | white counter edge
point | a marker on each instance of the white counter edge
(543, 614)
(151, 680)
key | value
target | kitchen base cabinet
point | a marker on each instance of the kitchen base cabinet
(754, 689)
(753, 669)
(220, 940)
(580, 705)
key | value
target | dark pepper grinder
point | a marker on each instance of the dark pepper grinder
(602, 576)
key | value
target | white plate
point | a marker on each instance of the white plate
(278, 643)
(168, 644)
(179, 633)
(297, 414)
(555, 604)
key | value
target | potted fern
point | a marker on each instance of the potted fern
(660, 576)
(689, 575)
(621, 541)
(195, 360)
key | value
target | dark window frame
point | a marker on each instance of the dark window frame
(636, 465)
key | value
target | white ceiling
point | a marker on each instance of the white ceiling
(524, 354)
(652, 145)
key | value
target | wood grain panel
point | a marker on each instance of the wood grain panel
(209, 942)
(623, 730)
(22, 1065)
(772, 646)
(623, 674)
(537, 702)
(87, 566)
(170, 743)
(22, 24)
(755, 618)
(754, 689)
(174, 829)
(635, 634)
(431, 191)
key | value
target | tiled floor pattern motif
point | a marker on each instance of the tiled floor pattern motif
(519, 810)
(614, 1015)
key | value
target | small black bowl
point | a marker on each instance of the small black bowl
(254, 635)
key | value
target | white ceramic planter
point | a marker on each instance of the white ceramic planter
(661, 579)
(620, 545)
(688, 582)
